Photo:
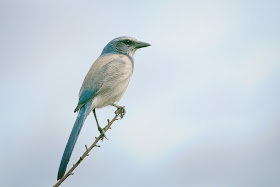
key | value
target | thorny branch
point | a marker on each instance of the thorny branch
(94, 144)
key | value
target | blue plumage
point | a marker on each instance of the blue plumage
(83, 113)
(85, 96)
(104, 85)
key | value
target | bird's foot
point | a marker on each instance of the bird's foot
(102, 133)
(120, 111)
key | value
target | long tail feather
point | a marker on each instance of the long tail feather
(83, 113)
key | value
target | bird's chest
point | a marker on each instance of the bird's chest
(128, 63)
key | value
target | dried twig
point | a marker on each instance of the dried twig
(86, 153)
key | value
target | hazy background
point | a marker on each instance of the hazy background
(203, 106)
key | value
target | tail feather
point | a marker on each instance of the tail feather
(83, 113)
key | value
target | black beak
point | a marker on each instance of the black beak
(139, 45)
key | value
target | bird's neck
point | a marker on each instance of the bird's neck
(118, 53)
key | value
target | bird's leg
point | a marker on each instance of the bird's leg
(120, 110)
(98, 126)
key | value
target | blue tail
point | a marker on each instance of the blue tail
(83, 113)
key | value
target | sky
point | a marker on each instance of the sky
(203, 107)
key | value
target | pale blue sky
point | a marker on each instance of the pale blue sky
(202, 107)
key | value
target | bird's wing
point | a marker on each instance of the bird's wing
(102, 69)
(85, 96)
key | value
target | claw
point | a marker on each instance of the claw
(102, 134)
(120, 111)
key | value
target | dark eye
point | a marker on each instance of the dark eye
(127, 42)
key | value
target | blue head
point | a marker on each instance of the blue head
(124, 45)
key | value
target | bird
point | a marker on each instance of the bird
(104, 85)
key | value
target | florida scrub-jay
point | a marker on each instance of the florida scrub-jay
(104, 85)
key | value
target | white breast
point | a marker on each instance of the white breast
(117, 75)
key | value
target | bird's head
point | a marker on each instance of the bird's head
(124, 45)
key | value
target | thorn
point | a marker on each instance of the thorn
(108, 121)
(95, 137)
(86, 147)
(87, 154)
(71, 174)
(97, 146)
